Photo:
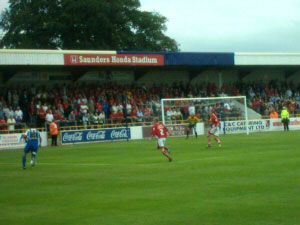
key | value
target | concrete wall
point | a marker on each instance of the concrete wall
(265, 75)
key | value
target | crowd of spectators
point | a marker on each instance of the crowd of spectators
(106, 103)
(266, 98)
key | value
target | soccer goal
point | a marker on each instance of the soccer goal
(231, 111)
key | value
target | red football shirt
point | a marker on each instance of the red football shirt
(214, 121)
(160, 130)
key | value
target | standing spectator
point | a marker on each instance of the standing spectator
(273, 114)
(289, 92)
(11, 122)
(60, 109)
(285, 119)
(105, 108)
(49, 117)
(5, 110)
(19, 114)
(114, 108)
(129, 108)
(85, 120)
(10, 112)
(101, 117)
(15, 99)
(31, 113)
(1, 112)
(83, 107)
(72, 117)
(192, 110)
(45, 107)
(139, 115)
(169, 114)
(53, 132)
(3, 125)
(91, 105)
(41, 116)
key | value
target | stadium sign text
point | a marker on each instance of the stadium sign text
(94, 135)
(239, 126)
(116, 59)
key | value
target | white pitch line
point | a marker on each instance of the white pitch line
(116, 164)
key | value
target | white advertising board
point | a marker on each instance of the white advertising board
(239, 126)
(11, 141)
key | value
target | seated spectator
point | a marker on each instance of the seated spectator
(169, 114)
(93, 118)
(101, 117)
(178, 114)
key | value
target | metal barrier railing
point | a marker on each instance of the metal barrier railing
(79, 125)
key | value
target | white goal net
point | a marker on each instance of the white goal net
(231, 111)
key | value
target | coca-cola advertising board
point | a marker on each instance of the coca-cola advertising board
(81, 136)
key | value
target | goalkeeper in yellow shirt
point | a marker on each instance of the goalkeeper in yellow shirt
(192, 120)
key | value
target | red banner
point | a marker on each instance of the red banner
(113, 60)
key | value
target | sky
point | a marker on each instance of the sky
(229, 25)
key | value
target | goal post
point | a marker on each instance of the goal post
(202, 106)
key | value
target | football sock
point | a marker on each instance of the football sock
(24, 161)
(166, 154)
(33, 155)
(208, 138)
(196, 134)
(187, 133)
(217, 140)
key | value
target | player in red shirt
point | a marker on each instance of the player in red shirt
(160, 131)
(214, 128)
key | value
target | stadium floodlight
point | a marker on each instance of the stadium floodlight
(229, 108)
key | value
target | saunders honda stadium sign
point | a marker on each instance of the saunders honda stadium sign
(114, 59)
(81, 136)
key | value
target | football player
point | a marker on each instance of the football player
(192, 120)
(160, 131)
(33, 139)
(214, 128)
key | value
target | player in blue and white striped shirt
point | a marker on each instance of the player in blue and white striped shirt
(33, 139)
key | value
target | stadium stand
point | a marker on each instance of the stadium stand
(87, 104)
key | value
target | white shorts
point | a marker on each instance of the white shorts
(161, 142)
(214, 131)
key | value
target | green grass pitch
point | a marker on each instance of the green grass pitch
(251, 180)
